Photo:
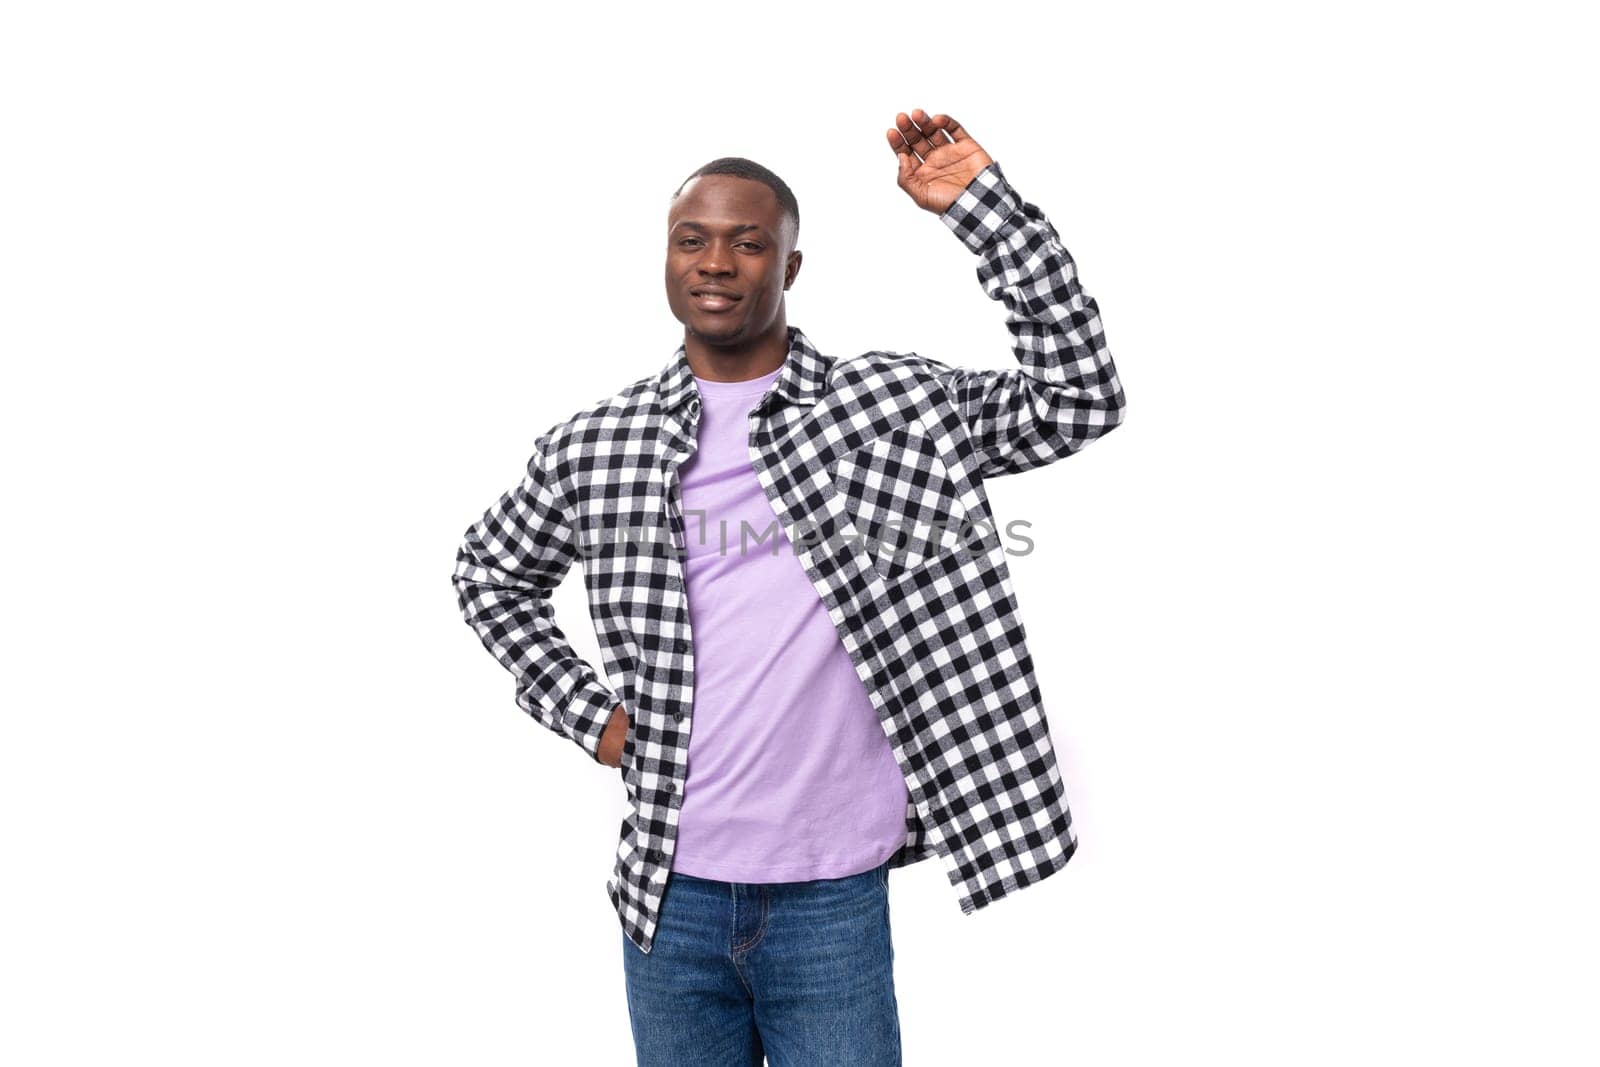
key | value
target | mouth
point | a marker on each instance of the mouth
(713, 299)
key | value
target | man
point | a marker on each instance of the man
(801, 595)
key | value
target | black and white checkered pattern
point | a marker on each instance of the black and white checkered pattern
(860, 460)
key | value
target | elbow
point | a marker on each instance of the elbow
(1116, 411)
(1112, 408)
(1093, 422)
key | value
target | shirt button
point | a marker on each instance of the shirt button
(674, 582)
(677, 716)
(654, 855)
(681, 645)
(671, 787)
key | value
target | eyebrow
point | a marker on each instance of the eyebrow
(732, 230)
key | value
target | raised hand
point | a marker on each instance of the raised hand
(938, 158)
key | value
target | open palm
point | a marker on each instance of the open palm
(938, 158)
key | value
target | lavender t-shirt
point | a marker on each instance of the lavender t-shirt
(790, 775)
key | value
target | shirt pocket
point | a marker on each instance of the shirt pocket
(902, 500)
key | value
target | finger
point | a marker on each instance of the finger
(950, 126)
(913, 136)
(932, 134)
(908, 160)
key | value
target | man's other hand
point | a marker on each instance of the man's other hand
(616, 732)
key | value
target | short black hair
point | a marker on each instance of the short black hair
(740, 167)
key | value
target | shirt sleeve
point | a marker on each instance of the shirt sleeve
(509, 563)
(1066, 393)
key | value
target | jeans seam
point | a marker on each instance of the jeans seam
(755, 938)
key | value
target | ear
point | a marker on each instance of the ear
(792, 268)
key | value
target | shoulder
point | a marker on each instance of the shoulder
(882, 365)
(887, 387)
(607, 416)
(570, 447)
(883, 373)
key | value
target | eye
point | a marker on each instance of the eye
(754, 246)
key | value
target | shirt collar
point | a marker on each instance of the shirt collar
(802, 379)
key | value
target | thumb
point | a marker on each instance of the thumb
(908, 167)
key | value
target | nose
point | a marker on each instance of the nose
(716, 260)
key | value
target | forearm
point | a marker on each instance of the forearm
(1066, 392)
(508, 565)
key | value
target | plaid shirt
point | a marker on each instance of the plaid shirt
(861, 459)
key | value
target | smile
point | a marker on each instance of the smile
(713, 301)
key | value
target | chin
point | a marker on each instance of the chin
(717, 327)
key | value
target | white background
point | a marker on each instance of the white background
(289, 289)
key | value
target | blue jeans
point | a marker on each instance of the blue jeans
(799, 972)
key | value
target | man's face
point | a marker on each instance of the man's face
(728, 260)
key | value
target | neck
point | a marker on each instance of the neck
(741, 360)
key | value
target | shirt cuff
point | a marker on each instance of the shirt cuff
(983, 208)
(585, 714)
